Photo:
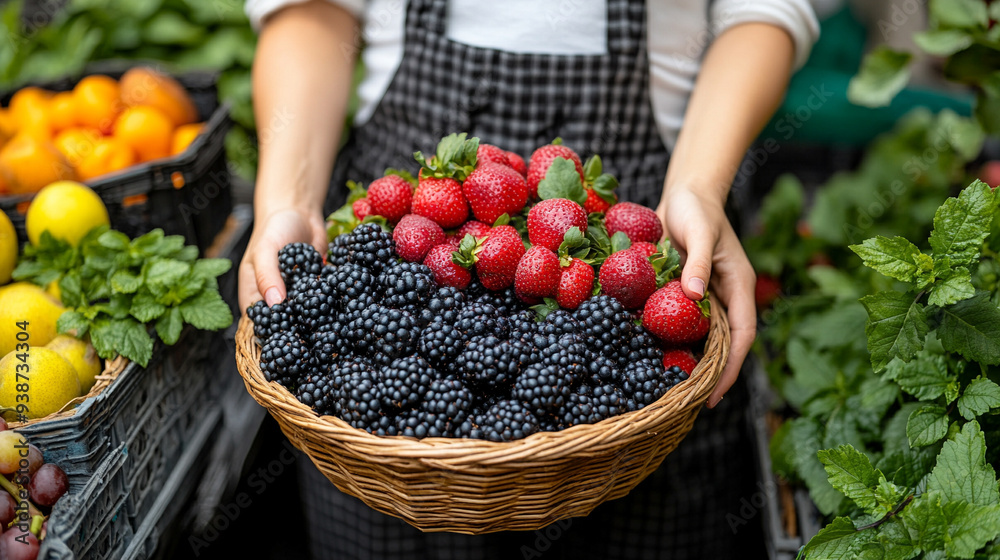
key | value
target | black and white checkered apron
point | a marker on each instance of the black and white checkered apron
(597, 104)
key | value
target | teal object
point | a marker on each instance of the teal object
(816, 109)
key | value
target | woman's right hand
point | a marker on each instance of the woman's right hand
(259, 277)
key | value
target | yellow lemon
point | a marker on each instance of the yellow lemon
(67, 209)
(8, 248)
(82, 355)
(47, 381)
(27, 315)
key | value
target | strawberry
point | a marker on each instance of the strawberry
(681, 358)
(517, 163)
(415, 235)
(537, 274)
(491, 153)
(628, 277)
(767, 290)
(477, 229)
(576, 282)
(361, 208)
(675, 318)
(638, 222)
(542, 158)
(549, 220)
(440, 200)
(597, 204)
(446, 272)
(645, 248)
(493, 190)
(390, 197)
(497, 258)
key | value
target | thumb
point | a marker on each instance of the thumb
(698, 268)
(267, 275)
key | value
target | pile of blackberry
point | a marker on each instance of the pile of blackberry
(375, 342)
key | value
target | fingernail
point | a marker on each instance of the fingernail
(272, 296)
(697, 285)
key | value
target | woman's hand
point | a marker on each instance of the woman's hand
(259, 277)
(697, 226)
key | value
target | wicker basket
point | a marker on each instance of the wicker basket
(112, 368)
(474, 486)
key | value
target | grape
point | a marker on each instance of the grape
(3, 424)
(48, 485)
(34, 459)
(10, 456)
(7, 507)
(18, 545)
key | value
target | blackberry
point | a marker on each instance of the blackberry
(384, 426)
(491, 364)
(330, 341)
(317, 391)
(450, 397)
(609, 400)
(443, 305)
(475, 289)
(406, 283)
(268, 321)
(644, 382)
(507, 420)
(368, 245)
(580, 409)
(315, 304)
(352, 281)
(675, 375)
(547, 384)
(558, 322)
(440, 343)
(523, 324)
(468, 429)
(421, 423)
(286, 358)
(478, 319)
(601, 368)
(641, 346)
(393, 333)
(505, 301)
(402, 385)
(359, 400)
(298, 259)
(337, 253)
(604, 321)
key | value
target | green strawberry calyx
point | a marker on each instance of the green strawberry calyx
(575, 245)
(604, 184)
(562, 181)
(455, 158)
(666, 262)
(468, 251)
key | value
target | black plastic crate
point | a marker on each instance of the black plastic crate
(189, 194)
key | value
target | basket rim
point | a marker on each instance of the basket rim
(112, 369)
(460, 453)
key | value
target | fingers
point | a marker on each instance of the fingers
(742, 312)
(266, 274)
(698, 268)
(248, 292)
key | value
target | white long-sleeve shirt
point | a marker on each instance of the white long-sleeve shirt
(678, 33)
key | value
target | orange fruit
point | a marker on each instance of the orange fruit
(110, 154)
(30, 108)
(8, 128)
(28, 163)
(147, 130)
(184, 135)
(62, 111)
(97, 102)
(77, 143)
(145, 86)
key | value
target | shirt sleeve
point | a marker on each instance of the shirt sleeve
(258, 10)
(797, 17)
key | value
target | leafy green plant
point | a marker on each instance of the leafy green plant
(116, 288)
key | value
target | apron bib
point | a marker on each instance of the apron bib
(595, 103)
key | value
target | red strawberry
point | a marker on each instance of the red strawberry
(681, 358)
(390, 197)
(595, 203)
(674, 317)
(537, 274)
(645, 248)
(549, 220)
(415, 235)
(496, 260)
(440, 200)
(493, 190)
(638, 222)
(542, 158)
(477, 229)
(767, 290)
(517, 163)
(446, 272)
(575, 284)
(628, 277)
(361, 208)
(490, 153)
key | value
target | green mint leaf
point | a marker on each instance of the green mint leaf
(942, 42)
(136, 344)
(114, 240)
(895, 542)
(897, 326)
(804, 438)
(211, 268)
(894, 257)
(164, 273)
(145, 308)
(851, 473)
(105, 339)
(562, 181)
(169, 326)
(979, 397)
(926, 520)
(887, 495)
(925, 377)
(70, 290)
(884, 73)
(124, 282)
(207, 311)
(962, 473)
(961, 224)
(965, 134)
(970, 527)
(972, 328)
(186, 254)
(620, 241)
(927, 425)
(117, 306)
(953, 289)
(72, 322)
(959, 13)
(837, 541)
